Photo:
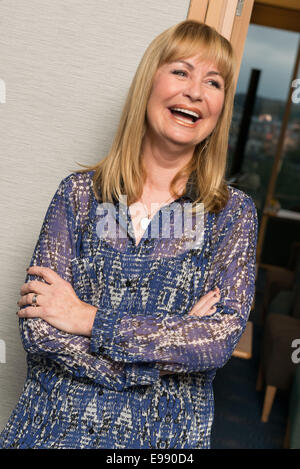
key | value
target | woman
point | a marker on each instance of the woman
(125, 327)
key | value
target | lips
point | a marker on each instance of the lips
(185, 115)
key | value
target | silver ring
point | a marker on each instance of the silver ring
(34, 300)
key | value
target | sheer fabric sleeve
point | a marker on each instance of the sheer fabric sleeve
(54, 249)
(186, 344)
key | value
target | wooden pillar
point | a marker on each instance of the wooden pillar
(197, 10)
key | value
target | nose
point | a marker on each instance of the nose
(194, 91)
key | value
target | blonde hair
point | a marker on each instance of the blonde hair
(121, 171)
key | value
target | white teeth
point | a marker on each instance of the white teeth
(191, 113)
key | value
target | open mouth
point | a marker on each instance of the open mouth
(185, 115)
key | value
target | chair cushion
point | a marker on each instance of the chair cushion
(280, 331)
(282, 303)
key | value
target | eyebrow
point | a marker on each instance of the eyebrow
(191, 67)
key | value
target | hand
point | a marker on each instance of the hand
(205, 306)
(57, 303)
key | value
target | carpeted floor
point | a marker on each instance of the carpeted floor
(238, 406)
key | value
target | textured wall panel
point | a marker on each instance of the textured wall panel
(65, 68)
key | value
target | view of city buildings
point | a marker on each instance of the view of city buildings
(266, 121)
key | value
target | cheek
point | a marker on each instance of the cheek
(216, 106)
(159, 99)
(152, 110)
(154, 100)
(152, 103)
(164, 89)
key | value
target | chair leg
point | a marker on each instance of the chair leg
(286, 443)
(260, 379)
(268, 402)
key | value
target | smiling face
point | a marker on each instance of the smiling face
(185, 102)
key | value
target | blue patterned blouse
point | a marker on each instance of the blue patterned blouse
(106, 391)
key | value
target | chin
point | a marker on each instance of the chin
(180, 138)
(182, 142)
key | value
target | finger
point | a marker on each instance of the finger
(30, 312)
(206, 301)
(45, 272)
(212, 310)
(34, 286)
(211, 302)
(208, 309)
(27, 299)
(208, 296)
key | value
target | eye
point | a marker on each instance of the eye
(181, 73)
(215, 83)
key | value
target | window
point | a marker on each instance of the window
(273, 52)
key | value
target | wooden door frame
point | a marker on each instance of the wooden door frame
(231, 18)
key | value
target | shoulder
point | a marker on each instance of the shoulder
(239, 200)
(78, 182)
(77, 191)
(240, 206)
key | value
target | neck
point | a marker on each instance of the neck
(161, 164)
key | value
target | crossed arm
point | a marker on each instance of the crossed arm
(122, 350)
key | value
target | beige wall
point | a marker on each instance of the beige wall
(65, 69)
